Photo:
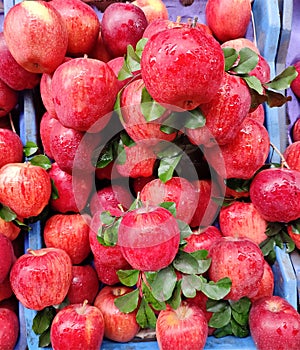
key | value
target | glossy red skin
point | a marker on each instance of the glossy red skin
(40, 31)
(294, 236)
(262, 71)
(178, 190)
(149, 238)
(266, 286)
(99, 50)
(8, 99)
(202, 239)
(183, 328)
(24, 188)
(139, 182)
(73, 190)
(6, 257)
(82, 24)
(228, 20)
(41, 278)
(119, 326)
(12, 74)
(84, 285)
(168, 59)
(246, 154)
(224, 113)
(296, 130)
(241, 260)
(153, 9)
(134, 121)
(5, 289)
(241, 219)
(9, 328)
(292, 155)
(158, 25)
(77, 326)
(47, 122)
(276, 194)
(11, 147)
(106, 274)
(122, 24)
(69, 232)
(76, 87)
(272, 320)
(295, 85)
(258, 114)
(107, 173)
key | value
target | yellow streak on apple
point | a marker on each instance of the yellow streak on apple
(36, 9)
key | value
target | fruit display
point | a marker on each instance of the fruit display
(145, 201)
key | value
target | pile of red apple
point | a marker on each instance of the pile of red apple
(150, 178)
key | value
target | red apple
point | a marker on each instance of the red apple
(139, 182)
(166, 63)
(37, 28)
(122, 24)
(9, 229)
(158, 25)
(292, 155)
(77, 326)
(5, 289)
(69, 232)
(262, 71)
(272, 320)
(296, 130)
(9, 329)
(118, 326)
(202, 239)
(258, 114)
(294, 235)
(24, 188)
(153, 9)
(46, 124)
(11, 147)
(240, 43)
(107, 173)
(7, 256)
(106, 274)
(8, 99)
(239, 259)
(99, 50)
(84, 285)
(116, 65)
(266, 286)
(295, 85)
(275, 193)
(149, 238)
(183, 328)
(42, 277)
(228, 20)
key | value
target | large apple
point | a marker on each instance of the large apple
(9, 329)
(11, 147)
(272, 320)
(8, 99)
(77, 326)
(42, 277)
(7, 256)
(118, 326)
(37, 28)
(153, 9)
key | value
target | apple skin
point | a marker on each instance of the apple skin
(158, 25)
(84, 285)
(9, 328)
(41, 278)
(77, 326)
(41, 32)
(118, 326)
(122, 24)
(24, 188)
(11, 147)
(99, 50)
(83, 25)
(9, 229)
(5, 290)
(294, 236)
(202, 239)
(149, 238)
(266, 286)
(183, 328)
(153, 9)
(12, 74)
(275, 193)
(7, 257)
(272, 320)
(292, 155)
(295, 85)
(258, 114)
(239, 259)
(228, 20)
(296, 131)
(169, 81)
(47, 122)
(8, 99)
(69, 232)
(76, 87)
(241, 219)
(240, 43)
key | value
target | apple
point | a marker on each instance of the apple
(294, 235)
(153, 9)
(76, 87)
(258, 114)
(266, 286)
(118, 326)
(7, 256)
(116, 65)
(292, 155)
(166, 63)
(106, 274)
(37, 28)
(122, 24)
(272, 320)
(228, 20)
(77, 326)
(262, 71)
(158, 25)
(9, 229)
(240, 43)
(24, 188)
(178, 190)
(275, 193)
(11, 147)
(295, 85)
(46, 124)
(239, 259)
(183, 328)
(82, 24)
(12, 74)
(69, 232)
(9, 328)
(84, 285)
(139, 182)
(107, 173)
(296, 130)
(5, 289)
(8, 99)
(149, 238)
(202, 239)
(99, 50)
(241, 219)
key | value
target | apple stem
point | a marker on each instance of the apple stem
(195, 20)
(31, 251)
(178, 19)
(82, 308)
(283, 161)
(121, 207)
(12, 123)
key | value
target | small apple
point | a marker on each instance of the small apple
(9, 329)
(240, 43)
(11, 147)
(153, 9)
(8, 99)
(292, 155)
(202, 239)
(266, 285)
(295, 85)
(7, 256)
(46, 124)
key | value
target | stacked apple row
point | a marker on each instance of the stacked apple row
(148, 142)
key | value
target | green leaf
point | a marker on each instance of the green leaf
(167, 167)
(164, 284)
(117, 105)
(44, 339)
(126, 139)
(174, 122)
(128, 302)
(128, 277)
(273, 228)
(125, 72)
(217, 290)
(185, 230)
(239, 185)
(216, 305)
(106, 157)
(121, 159)
(241, 319)
(30, 148)
(247, 62)
(296, 227)
(150, 276)
(54, 190)
(175, 299)
(241, 306)
(170, 206)
(203, 261)
(288, 241)
(283, 80)
(139, 47)
(7, 214)
(41, 161)
(195, 119)
(150, 108)
(254, 84)
(190, 284)
(167, 129)
(43, 320)
(223, 331)
(267, 245)
(137, 203)
(157, 305)
(145, 316)
(231, 56)
(220, 319)
(238, 330)
(106, 218)
(132, 59)
(185, 263)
